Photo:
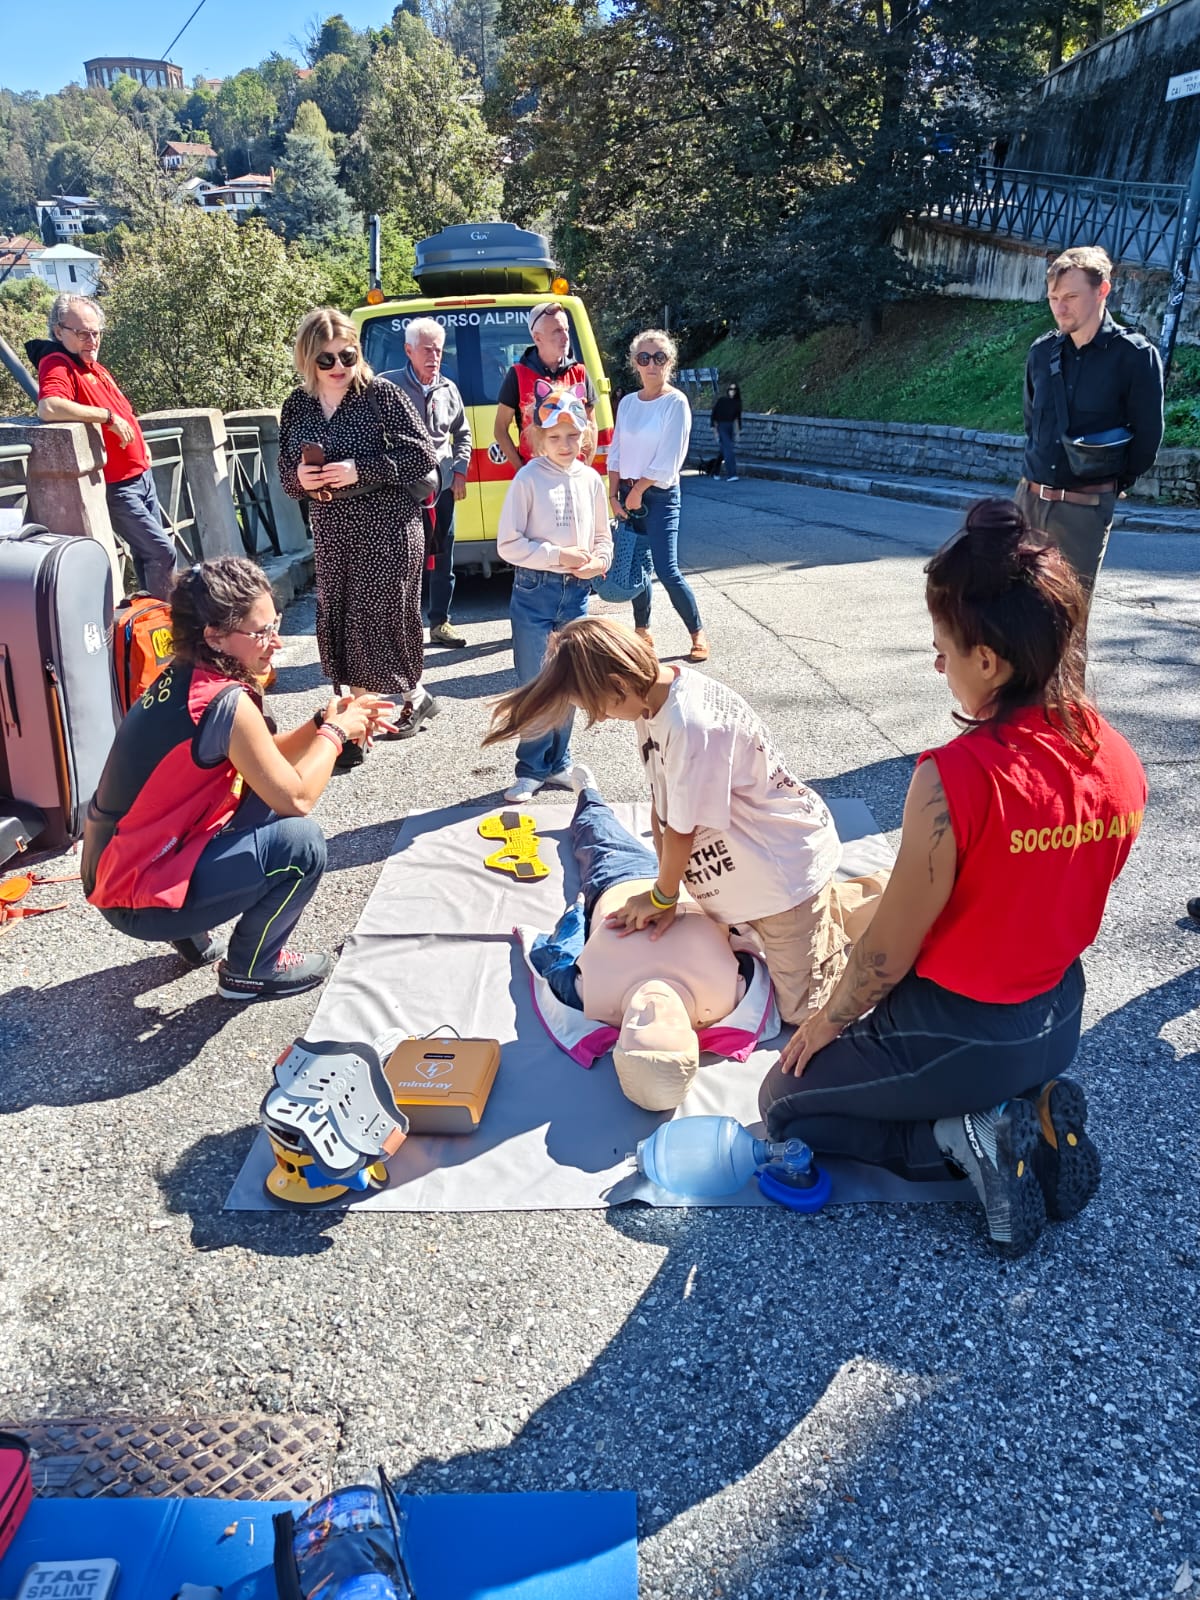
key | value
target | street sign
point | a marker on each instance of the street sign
(1184, 84)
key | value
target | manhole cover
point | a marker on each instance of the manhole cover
(286, 1457)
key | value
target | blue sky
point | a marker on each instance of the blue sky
(226, 36)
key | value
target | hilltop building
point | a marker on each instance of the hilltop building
(103, 72)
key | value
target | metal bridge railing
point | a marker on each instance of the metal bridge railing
(1137, 223)
(251, 491)
(166, 462)
(14, 487)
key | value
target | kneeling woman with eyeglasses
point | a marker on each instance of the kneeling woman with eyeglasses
(353, 446)
(202, 813)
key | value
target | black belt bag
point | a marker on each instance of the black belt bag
(1090, 456)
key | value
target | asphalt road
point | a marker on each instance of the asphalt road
(864, 1403)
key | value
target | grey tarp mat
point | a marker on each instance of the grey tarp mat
(434, 945)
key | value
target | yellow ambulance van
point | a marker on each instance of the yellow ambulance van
(479, 281)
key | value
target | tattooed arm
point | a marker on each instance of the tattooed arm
(916, 893)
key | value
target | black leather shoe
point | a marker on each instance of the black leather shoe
(1193, 907)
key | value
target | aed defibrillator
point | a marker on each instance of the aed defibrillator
(441, 1084)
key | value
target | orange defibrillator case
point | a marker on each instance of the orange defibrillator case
(442, 1083)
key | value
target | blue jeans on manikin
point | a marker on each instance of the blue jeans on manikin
(606, 854)
(727, 438)
(543, 602)
(662, 525)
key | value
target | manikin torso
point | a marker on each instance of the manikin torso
(693, 956)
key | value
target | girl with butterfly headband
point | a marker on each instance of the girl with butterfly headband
(554, 530)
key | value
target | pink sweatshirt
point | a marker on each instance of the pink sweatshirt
(548, 509)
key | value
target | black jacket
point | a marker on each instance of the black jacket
(727, 408)
(1115, 381)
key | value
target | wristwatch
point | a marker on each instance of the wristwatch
(108, 418)
(319, 717)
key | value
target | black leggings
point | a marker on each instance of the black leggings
(923, 1053)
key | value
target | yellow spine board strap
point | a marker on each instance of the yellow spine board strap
(519, 852)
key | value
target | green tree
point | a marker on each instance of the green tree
(244, 111)
(335, 37)
(338, 87)
(422, 149)
(16, 188)
(344, 264)
(23, 307)
(306, 202)
(469, 27)
(310, 124)
(203, 313)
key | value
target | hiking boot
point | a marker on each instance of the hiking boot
(997, 1149)
(1066, 1161)
(201, 951)
(293, 973)
(422, 708)
(444, 634)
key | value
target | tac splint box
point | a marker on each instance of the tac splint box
(441, 1084)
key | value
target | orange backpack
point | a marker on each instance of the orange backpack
(141, 645)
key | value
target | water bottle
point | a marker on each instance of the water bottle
(699, 1158)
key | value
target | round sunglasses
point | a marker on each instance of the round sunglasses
(646, 358)
(327, 360)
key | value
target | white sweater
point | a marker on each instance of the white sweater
(547, 510)
(650, 439)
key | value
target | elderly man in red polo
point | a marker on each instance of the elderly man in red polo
(74, 387)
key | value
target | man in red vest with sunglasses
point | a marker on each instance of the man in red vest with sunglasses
(548, 357)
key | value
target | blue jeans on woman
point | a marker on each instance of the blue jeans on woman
(727, 438)
(925, 1052)
(262, 869)
(606, 854)
(543, 602)
(662, 525)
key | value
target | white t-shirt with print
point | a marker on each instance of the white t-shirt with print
(764, 841)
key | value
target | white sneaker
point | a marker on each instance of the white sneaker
(734, 479)
(575, 778)
(524, 789)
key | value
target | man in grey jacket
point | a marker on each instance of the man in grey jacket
(440, 405)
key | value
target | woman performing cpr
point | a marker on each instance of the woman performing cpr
(202, 814)
(1013, 835)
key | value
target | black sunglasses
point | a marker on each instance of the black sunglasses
(645, 357)
(327, 360)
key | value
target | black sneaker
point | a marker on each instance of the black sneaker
(350, 756)
(292, 973)
(1066, 1161)
(997, 1150)
(202, 951)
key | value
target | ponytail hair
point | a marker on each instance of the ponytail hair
(214, 594)
(590, 663)
(995, 584)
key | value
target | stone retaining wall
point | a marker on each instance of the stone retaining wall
(916, 449)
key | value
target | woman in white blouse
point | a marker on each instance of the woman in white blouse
(648, 449)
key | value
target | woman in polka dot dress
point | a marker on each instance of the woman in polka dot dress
(368, 535)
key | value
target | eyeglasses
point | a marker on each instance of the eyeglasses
(90, 335)
(260, 636)
(327, 360)
(646, 358)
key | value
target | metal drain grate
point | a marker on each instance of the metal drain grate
(252, 1457)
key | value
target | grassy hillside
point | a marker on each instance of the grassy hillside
(956, 362)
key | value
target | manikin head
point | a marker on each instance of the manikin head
(657, 1054)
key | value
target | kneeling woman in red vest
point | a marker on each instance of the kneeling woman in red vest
(1013, 835)
(202, 814)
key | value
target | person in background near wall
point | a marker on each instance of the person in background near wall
(74, 387)
(1087, 387)
(548, 358)
(373, 466)
(202, 811)
(649, 447)
(726, 419)
(440, 406)
(946, 1039)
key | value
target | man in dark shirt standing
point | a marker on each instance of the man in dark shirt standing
(1090, 378)
(548, 357)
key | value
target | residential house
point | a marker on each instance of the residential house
(66, 268)
(239, 195)
(16, 256)
(180, 156)
(69, 212)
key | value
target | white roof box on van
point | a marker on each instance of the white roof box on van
(495, 256)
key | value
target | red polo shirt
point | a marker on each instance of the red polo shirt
(61, 378)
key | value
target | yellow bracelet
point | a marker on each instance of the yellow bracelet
(659, 902)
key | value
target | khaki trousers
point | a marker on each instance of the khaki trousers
(808, 945)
